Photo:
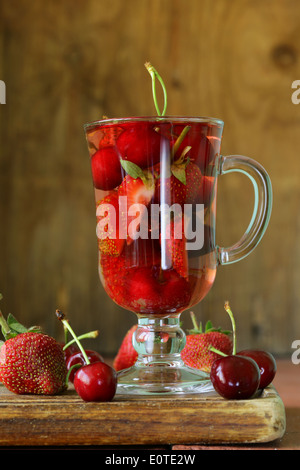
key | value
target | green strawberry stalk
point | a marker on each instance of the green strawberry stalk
(208, 327)
(11, 327)
(178, 143)
(155, 75)
(228, 310)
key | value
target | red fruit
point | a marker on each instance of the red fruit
(103, 136)
(196, 352)
(96, 381)
(175, 246)
(136, 192)
(77, 358)
(140, 144)
(182, 186)
(199, 148)
(235, 377)
(175, 292)
(115, 270)
(108, 227)
(151, 290)
(72, 349)
(206, 191)
(106, 168)
(143, 291)
(266, 363)
(33, 363)
(126, 355)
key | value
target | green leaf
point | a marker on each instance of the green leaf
(132, 169)
(208, 325)
(14, 325)
(179, 172)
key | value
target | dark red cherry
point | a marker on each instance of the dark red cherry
(266, 363)
(235, 377)
(77, 358)
(73, 348)
(96, 381)
(140, 144)
(106, 168)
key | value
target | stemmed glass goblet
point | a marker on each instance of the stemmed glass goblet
(155, 181)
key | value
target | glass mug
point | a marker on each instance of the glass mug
(155, 182)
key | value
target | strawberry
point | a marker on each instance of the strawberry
(157, 291)
(196, 352)
(182, 185)
(136, 190)
(126, 355)
(116, 270)
(31, 362)
(113, 272)
(175, 246)
(109, 240)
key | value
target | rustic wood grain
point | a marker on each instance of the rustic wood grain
(67, 63)
(65, 420)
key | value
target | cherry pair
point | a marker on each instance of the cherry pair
(242, 374)
(93, 379)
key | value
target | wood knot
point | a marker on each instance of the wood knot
(284, 55)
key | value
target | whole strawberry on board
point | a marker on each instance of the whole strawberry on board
(196, 352)
(31, 362)
(127, 355)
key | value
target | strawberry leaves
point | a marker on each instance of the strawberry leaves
(197, 328)
(136, 172)
(12, 327)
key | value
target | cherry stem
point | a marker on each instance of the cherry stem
(180, 139)
(155, 75)
(61, 316)
(91, 334)
(228, 310)
(211, 348)
(195, 324)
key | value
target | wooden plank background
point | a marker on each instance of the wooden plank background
(65, 63)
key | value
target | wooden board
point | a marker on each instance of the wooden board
(65, 420)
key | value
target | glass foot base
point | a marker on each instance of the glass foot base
(163, 379)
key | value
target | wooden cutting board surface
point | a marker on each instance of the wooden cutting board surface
(66, 420)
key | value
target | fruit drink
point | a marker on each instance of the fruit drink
(155, 191)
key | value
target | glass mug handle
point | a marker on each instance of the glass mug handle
(262, 206)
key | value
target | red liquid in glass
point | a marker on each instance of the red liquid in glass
(133, 271)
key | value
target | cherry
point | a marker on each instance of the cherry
(266, 364)
(106, 168)
(235, 377)
(72, 349)
(96, 381)
(135, 139)
(93, 381)
(78, 360)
